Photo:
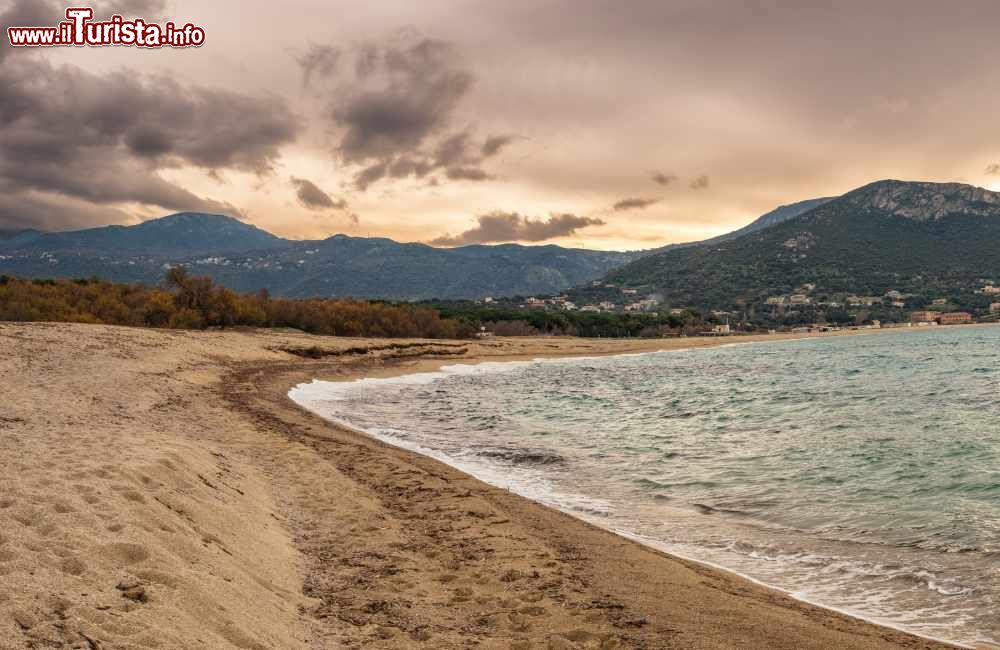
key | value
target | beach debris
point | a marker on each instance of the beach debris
(133, 590)
(512, 575)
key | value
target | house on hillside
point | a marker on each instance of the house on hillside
(717, 330)
(955, 318)
(646, 305)
(867, 301)
(923, 316)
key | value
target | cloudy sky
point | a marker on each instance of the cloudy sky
(579, 122)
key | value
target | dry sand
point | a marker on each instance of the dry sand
(159, 490)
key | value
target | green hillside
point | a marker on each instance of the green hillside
(924, 240)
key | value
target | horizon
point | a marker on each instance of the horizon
(243, 220)
(576, 125)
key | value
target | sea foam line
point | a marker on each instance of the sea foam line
(318, 393)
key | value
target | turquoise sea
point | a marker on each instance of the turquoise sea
(860, 473)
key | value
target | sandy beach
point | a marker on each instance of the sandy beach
(158, 489)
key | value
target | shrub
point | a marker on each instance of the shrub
(190, 302)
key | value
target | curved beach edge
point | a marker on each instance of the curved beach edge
(431, 368)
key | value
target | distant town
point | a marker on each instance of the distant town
(806, 309)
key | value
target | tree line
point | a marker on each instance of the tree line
(193, 302)
(510, 320)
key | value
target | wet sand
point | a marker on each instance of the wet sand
(158, 489)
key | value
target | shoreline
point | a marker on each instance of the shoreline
(438, 366)
(619, 347)
(651, 544)
(171, 495)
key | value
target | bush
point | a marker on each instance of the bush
(189, 302)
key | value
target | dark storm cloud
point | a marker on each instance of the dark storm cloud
(370, 174)
(394, 111)
(313, 197)
(663, 179)
(467, 174)
(511, 226)
(406, 97)
(635, 203)
(453, 150)
(319, 61)
(65, 110)
(405, 166)
(700, 183)
(494, 144)
(100, 139)
(19, 210)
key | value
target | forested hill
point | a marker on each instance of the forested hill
(923, 239)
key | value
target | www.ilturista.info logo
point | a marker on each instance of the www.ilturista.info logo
(78, 30)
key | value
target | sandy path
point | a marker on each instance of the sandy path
(158, 489)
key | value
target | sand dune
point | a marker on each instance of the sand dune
(158, 490)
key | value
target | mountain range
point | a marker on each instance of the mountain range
(912, 237)
(246, 258)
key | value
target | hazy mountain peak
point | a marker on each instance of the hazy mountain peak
(923, 201)
(199, 221)
(179, 218)
(184, 233)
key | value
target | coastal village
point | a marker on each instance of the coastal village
(909, 310)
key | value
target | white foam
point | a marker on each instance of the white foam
(327, 391)
(318, 396)
(797, 595)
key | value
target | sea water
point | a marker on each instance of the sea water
(860, 473)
